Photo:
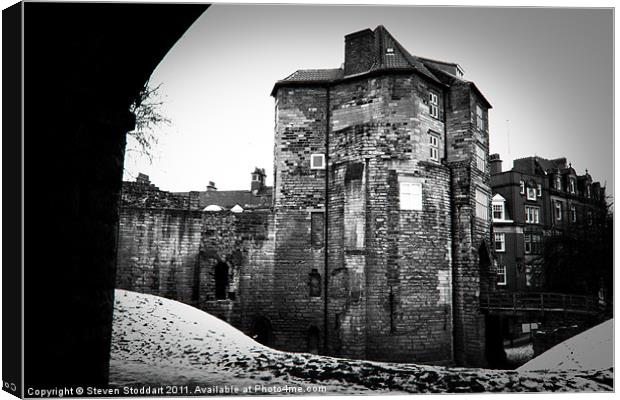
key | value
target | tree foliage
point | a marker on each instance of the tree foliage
(579, 260)
(142, 141)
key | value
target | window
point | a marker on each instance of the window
(479, 117)
(572, 185)
(531, 193)
(500, 242)
(221, 281)
(558, 210)
(558, 182)
(481, 158)
(528, 275)
(498, 211)
(590, 219)
(317, 161)
(532, 215)
(533, 243)
(482, 205)
(410, 196)
(588, 191)
(433, 108)
(317, 228)
(501, 275)
(434, 146)
(521, 187)
(573, 213)
(539, 190)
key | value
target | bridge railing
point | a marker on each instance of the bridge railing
(538, 301)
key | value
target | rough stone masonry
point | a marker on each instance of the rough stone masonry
(375, 244)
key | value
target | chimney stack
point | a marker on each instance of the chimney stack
(258, 180)
(495, 163)
(358, 51)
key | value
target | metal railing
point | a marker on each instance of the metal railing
(538, 301)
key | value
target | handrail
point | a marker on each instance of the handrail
(542, 301)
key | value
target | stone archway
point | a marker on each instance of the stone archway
(81, 73)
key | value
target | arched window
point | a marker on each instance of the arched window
(221, 281)
(315, 283)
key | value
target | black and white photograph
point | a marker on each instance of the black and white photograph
(307, 199)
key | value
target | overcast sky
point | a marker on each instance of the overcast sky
(547, 72)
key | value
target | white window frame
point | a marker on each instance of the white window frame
(433, 141)
(590, 218)
(479, 117)
(482, 204)
(312, 163)
(501, 273)
(558, 182)
(498, 207)
(481, 158)
(433, 104)
(500, 239)
(410, 195)
(532, 215)
(538, 190)
(521, 187)
(588, 190)
(528, 275)
(573, 213)
(571, 182)
(531, 193)
(557, 207)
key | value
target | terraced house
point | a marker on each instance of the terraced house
(537, 198)
(374, 241)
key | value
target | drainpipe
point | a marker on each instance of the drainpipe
(326, 224)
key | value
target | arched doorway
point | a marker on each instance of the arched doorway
(262, 331)
(221, 281)
(314, 336)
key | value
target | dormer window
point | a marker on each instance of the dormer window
(588, 191)
(572, 185)
(317, 161)
(521, 187)
(539, 190)
(558, 182)
(499, 208)
(433, 106)
(389, 51)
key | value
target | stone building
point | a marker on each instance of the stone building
(534, 199)
(374, 241)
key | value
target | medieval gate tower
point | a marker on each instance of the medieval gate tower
(382, 164)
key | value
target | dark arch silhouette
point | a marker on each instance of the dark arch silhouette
(77, 121)
(262, 331)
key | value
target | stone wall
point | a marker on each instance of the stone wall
(473, 271)
(299, 199)
(389, 269)
(158, 252)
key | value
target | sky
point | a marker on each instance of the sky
(548, 72)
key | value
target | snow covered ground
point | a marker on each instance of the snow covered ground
(158, 342)
(590, 350)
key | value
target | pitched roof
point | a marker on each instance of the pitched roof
(398, 59)
(319, 75)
